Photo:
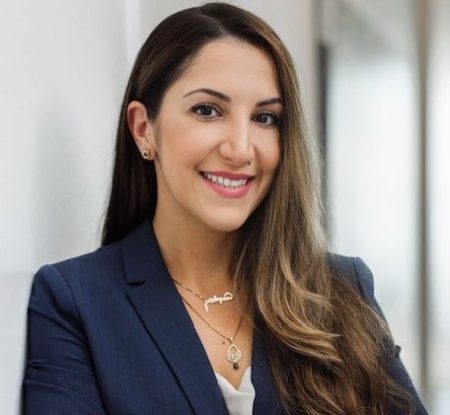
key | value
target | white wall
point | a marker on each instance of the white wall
(439, 154)
(63, 73)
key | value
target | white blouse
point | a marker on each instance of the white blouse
(239, 401)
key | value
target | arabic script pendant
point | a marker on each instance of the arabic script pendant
(234, 355)
(213, 300)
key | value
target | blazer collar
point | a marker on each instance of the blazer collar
(159, 306)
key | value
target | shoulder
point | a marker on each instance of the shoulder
(93, 270)
(101, 259)
(354, 271)
(357, 274)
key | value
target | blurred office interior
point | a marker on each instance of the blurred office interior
(384, 122)
(375, 78)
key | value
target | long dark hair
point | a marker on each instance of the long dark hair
(328, 350)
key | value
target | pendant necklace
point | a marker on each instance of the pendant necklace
(234, 354)
(227, 296)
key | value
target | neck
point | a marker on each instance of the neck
(197, 257)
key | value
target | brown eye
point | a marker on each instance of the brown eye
(206, 111)
(267, 118)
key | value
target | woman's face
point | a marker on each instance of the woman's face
(221, 114)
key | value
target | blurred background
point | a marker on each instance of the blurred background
(375, 79)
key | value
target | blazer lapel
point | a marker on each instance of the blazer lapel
(160, 308)
(266, 400)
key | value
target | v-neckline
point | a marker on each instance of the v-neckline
(156, 300)
(243, 379)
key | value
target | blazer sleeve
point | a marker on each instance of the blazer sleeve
(397, 370)
(59, 375)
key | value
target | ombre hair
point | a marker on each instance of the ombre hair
(328, 350)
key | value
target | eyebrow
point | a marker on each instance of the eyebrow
(226, 98)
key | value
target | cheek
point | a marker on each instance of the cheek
(271, 157)
(276, 157)
(181, 158)
(174, 144)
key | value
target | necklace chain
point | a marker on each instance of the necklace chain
(191, 291)
(233, 352)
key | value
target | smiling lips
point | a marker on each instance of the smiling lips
(228, 184)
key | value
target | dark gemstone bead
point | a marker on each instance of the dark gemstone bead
(236, 365)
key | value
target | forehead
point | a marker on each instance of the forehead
(234, 66)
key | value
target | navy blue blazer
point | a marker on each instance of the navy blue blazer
(109, 334)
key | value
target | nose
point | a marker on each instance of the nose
(236, 147)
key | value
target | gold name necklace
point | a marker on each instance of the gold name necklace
(227, 296)
(234, 354)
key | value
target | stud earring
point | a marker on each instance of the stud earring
(148, 154)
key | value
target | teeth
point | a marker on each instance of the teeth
(211, 177)
(225, 181)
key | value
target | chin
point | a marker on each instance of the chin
(229, 224)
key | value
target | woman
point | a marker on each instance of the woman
(213, 291)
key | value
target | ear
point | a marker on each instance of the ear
(140, 126)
